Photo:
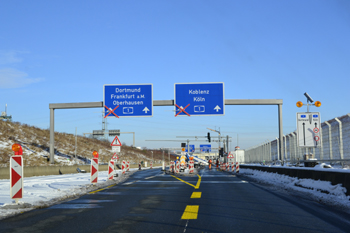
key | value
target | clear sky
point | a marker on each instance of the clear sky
(65, 51)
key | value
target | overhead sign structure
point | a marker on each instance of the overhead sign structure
(308, 129)
(191, 147)
(114, 132)
(128, 100)
(199, 99)
(205, 148)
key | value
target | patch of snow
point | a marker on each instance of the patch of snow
(322, 191)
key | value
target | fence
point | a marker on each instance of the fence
(335, 145)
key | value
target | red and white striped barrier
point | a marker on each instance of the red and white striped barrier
(191, 166)
(151, 164)
(237, 167)
(172, 166)
(127, 166)
(110, 170)
(232, 166)
(227, 167)
(16, 177)
(94, 170)
(177, 167)
(123, 167)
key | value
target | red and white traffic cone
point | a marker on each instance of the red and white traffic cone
(16, 173)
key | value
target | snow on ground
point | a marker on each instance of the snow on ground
(321, 191)
(43, 191)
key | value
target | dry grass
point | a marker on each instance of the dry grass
(35, 143)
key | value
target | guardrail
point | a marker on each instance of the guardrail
(55, 170)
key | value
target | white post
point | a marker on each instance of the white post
(330, 140)
(340, 138)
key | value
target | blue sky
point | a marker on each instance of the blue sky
(65, 51)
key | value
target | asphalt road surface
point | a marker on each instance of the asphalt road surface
(212, 201)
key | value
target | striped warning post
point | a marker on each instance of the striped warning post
(127, 166)
(237, 167)
(227, 167)
(172, 166)
(191, 166)
(110, 170)
(232, 166)
(151, 164)
(16, 177)
(94, 170)
(123, 167)
(177, 168)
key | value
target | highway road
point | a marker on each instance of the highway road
(212, 201)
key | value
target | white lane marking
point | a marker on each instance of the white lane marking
(225, 182)
(212, 181)
(75, 206)
(150, 177)
(131, 182)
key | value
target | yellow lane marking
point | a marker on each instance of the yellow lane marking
(196, 195)
(191, 212)
(198, 182)
(98, 190)
(184, 181)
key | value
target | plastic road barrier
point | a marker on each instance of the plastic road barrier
(237, 167)
(16, 177)
(123, 167)
(94, 170)
(110, 170)
(127, 166)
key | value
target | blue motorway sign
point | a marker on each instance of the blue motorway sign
(205, 148)
(199, 99)
(192, 148)
(134, 100)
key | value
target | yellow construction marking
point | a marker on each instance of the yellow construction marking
(184, 181)
(98, 190)
(198, 182)
(191, 212)
(196, 195)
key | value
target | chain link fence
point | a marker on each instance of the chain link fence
(335, 145)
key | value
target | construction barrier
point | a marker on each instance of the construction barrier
(237, 167)
(94, 170)
(191, 166)
(123, 167)
(172, 166)
(150, 164)
(227, 167)
(16, 177)
(232, 166)
(177, 168)
(110, 170)
(127, 166)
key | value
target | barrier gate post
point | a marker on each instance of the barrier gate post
(16, 173)
(94, 168)
(110, 170)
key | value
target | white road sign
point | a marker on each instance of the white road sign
(308, 129)
(116, 149)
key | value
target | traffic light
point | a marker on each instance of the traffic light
(221, 152)
(208, 137)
